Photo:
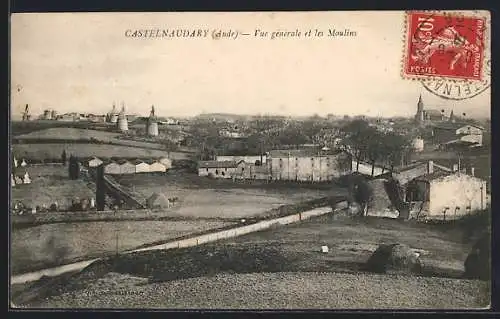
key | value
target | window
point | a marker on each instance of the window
(207, 169)
(225, 170)
(216, 172)
(222, 173)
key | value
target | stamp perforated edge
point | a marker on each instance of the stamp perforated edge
(406, 37)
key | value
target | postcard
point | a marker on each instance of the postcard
(250, 160)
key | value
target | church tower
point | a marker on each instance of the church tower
(452, 117)
(419, 116)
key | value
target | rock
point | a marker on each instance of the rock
(477, 264)
(397, 258)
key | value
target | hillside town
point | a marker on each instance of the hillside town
(226, 174)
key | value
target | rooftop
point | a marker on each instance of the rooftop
(433, 176)
(455, 126)
(300, 153)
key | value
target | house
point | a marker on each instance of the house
(407, 173)
(166, 162)
(308, 165)
(18, 180)
(24, 163)
(448, 134)
(250, 159)
(112, 168)
(26, 178)
(156, 166)
(94, 162)
(221, 169)
(126, 167)
(141, 166)
(446, 195)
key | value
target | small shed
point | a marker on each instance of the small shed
(141, 166)
(157, 201)
(155, 166)
(112, 168)
(126, 167)
(94, 162)
(167, 162)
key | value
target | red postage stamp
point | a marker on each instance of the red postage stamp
(444, 45)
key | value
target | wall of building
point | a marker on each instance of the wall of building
(142, 168)
(458, 190)
(112, 169)
(157, 167)
(472, 138)
(127, 168)
(469, 129)
(314, 168)
(226, 172)
(366, 169)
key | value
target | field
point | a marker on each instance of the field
(56, 244)
(49, 184)
(68, 135)
(282, 268)
(200, 197)
(52, 151)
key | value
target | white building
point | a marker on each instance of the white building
(141, 166)
(94, 162)
(305, 165)
(126, 167)
(447, 195)
(157, 167)
(219, 169)
(24, 163)
(418, 144)
(166, 162)
(112, 168)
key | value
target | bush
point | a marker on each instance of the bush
(477, 264)
(398, 258)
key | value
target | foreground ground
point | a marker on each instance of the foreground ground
(279, 291)
(201, 197)
(281, 267)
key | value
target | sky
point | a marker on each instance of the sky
(83, 62)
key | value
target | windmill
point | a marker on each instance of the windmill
(26, 113)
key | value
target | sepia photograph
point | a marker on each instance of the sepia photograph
(250, 160)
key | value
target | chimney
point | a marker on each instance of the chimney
(472, 171)
(455, 167)
(430, 167)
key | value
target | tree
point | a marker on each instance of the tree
(63, 157)
(356, 135)
(359, 191)
(73, 168)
